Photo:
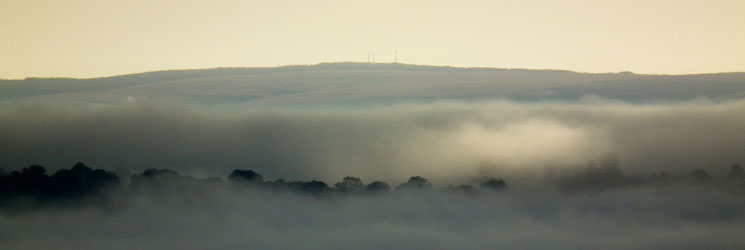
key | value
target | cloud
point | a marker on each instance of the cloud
(443, 140)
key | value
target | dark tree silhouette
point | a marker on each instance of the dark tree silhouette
(153, 172)
(68, 185)
(416, 182)
(5, 184)
(81, 180)
(314, 187)
(349, 184)
(249, 176)
(378, 187)
(157, 177)
(494, 184)
(33, 181)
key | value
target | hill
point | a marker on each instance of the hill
(352, 84)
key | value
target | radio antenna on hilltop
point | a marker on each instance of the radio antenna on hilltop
(368, 57)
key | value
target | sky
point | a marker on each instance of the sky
(92, 38)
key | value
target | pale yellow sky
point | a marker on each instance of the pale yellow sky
(89, 38)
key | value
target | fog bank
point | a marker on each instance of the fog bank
(441, 140)
(680, 217)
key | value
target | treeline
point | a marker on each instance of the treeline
(33, 184)
(604, 176)
(83, 183)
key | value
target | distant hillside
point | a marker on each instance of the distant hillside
(332, 84)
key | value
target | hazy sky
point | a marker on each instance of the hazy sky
(88, 38)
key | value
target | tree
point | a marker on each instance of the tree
(157, 177)
(378, 187)
(33, 181)
(250, 176)
(417, 182)
(81, 180)
(494, 184)
(314, 187)
(349, 184)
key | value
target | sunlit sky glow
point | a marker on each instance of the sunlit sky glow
(90, 38)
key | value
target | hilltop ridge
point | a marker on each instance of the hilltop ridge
(343, 84)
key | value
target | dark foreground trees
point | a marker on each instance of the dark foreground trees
(494, 184)
(415, 182)
(80, 183)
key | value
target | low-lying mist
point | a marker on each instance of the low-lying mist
(591, 174)
(442, 140)
(594, 207)
(686, 218)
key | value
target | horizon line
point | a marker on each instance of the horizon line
(365, 63)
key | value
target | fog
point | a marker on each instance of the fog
(440, 140)
(598, 161)
(670, 217)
